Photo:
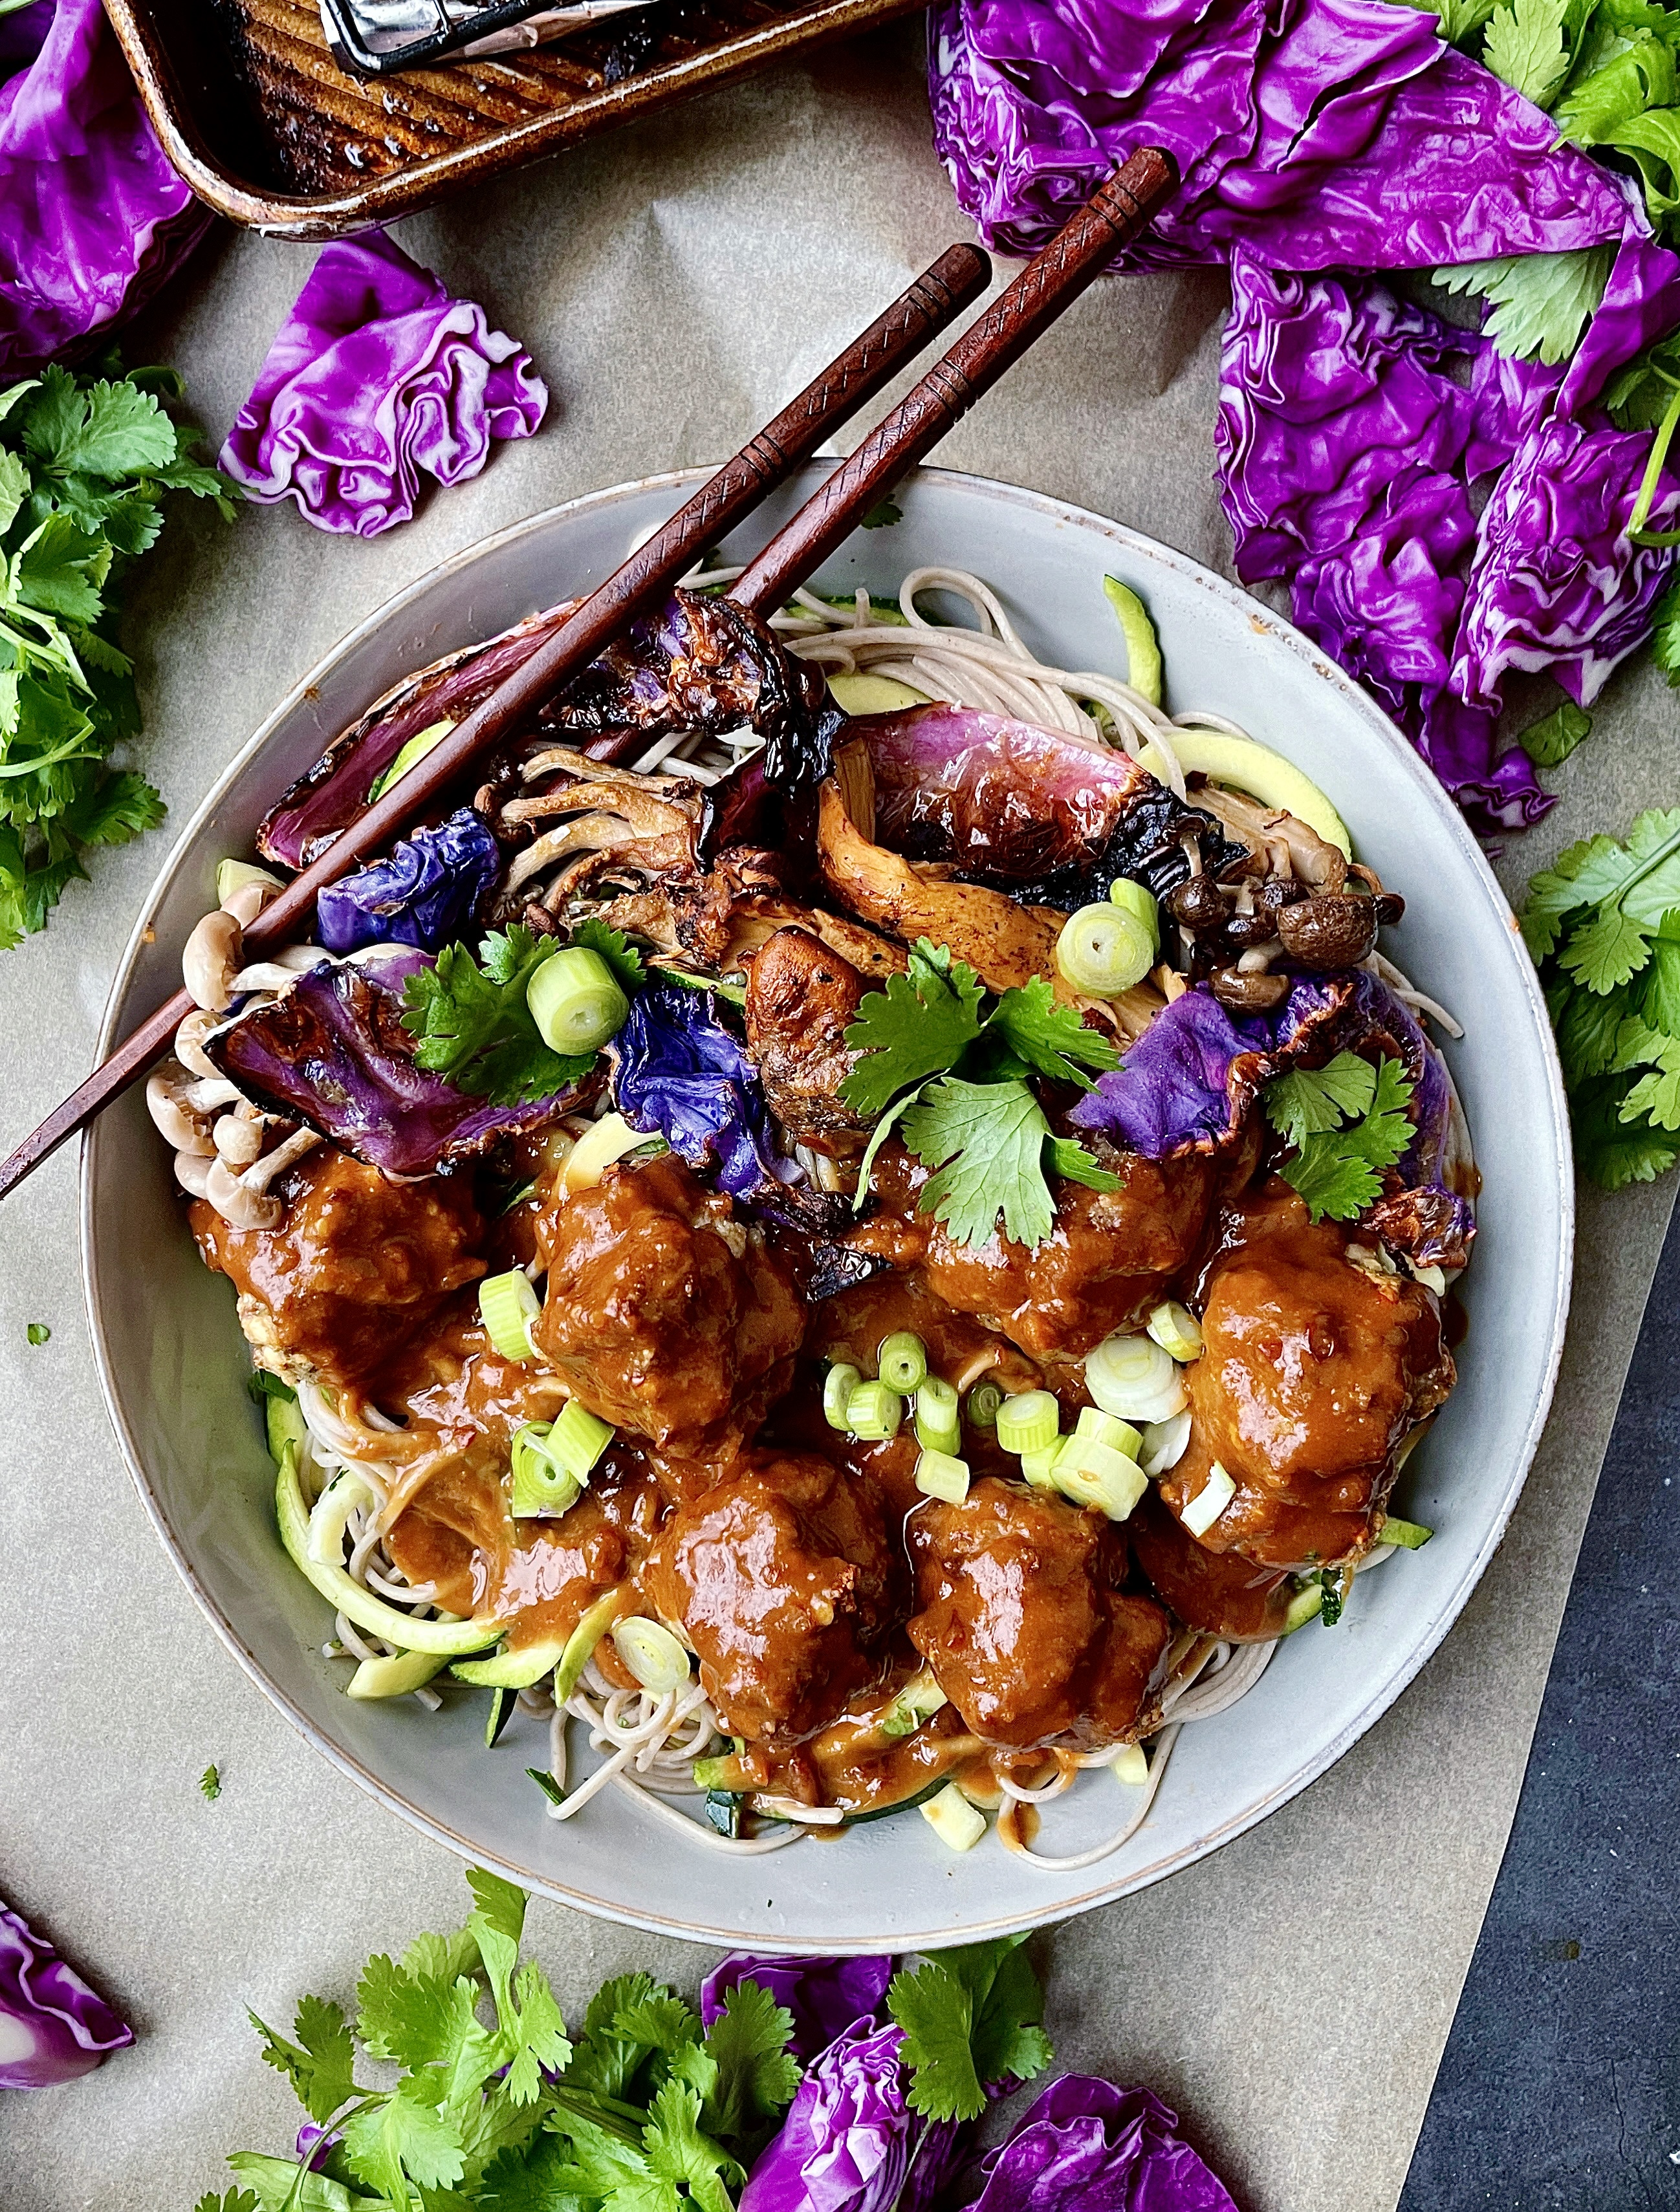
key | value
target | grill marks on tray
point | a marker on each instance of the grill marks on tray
(329, 132)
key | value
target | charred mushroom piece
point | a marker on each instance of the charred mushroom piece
(605, 819)
(1329, 931)
(1282, 843)
(1201, 903)
(800, 998)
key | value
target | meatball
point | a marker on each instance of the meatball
(665, 1315)
(1023, 1625)
(800, 998)
(1221, 1593)
(1105, 1262)
(1314, 1370)
(356, 1267)
(781, 1576)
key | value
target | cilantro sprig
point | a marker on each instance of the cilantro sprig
(472, 1023)
(87, 462)
(496, 2108)
(979, 1125)
(1345, 1123)
(971, 2017)
(1603, 924)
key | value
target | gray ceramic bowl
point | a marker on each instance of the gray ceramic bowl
(173, 1366)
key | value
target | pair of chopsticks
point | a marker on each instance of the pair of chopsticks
(1049, 284)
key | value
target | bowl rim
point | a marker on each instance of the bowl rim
(1384, 1693)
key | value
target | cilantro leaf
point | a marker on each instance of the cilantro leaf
(533, 2033)
(986, 1142)
(1526, 46)
(755, 2073)
(1550, 741)
(527, 2178)
(1006, 2038)
(280, 2186)
(112, 811)
(971, 2017)
(1612, 1152)
(441, 1958)
(658, 2020)
(1540, 302)
(416, 2020)
(1049, 1036)
(680, 2150)
(1069, 1159)
(401, 2139)
(1338, 1170)
(615, 948)
(1307, 1101)
(917, 1027)
(320, 2064)
(101, 430)
(13, 488)
(472, 1026)
(236, 2200)
(1606, 951)
(1665, 643)
(496, 1923)
(1588, 1027)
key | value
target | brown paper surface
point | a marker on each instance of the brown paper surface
(677, 282)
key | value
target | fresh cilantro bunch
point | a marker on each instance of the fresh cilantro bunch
(1603, 924)
(494, 2108)
(86, 462)
(980, 1125)
(1345, 1122)
(473, 1027)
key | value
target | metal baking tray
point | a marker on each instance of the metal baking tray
(271, 132)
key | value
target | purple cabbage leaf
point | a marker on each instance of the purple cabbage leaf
(825, 1995)
(92, 216)
(1085, 2146)
(1028, 811)
(376, 375)
(1189, 1082)
(850, 2142)
(52, 2026)
(428, 891)
(331, 1050)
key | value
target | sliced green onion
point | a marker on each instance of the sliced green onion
(1104, 950)
(1028, 1422)
(1130, 1764)
(1410, 1535)
(652, 1654)
(1104, 1429)
(838, 1388)
(1165, 1444)
(543, 1484)
(578, 1438)
(1123, 891)
(1143, 651)
(1306, 1605)
(1087, 1472)
(940, 1474)
(1209, 1502)
(1038, 1468)
(576, 1000)
(873, 1412)
(507, 1306)
(938, 1422)
(416, 750)
(1133, 1378)
(1176, 1330)
(983, 1400)
(902, 1363)
(953, 1819)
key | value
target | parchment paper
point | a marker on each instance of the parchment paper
(677, 282)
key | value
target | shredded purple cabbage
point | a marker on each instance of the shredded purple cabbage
(1085, 2146)
(825, 1995)
(678, 1072)
(332, 1051)
(1189, 1082)
(850, 2142)
(428, 892)
(1328, 133)
(376, 375)
(92, 216)
(52, 2026)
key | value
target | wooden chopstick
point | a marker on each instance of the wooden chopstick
(1049, 284)
(927, 306)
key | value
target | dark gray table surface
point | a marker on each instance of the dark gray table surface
(1560, 2087)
